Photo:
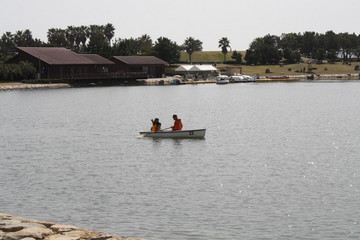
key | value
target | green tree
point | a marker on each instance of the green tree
(319, 54)
(308, 41)
(70, 35)
(11, 72)
(57, 37)
(345, 45)
(331, 56)
(191, 45)
(357, 53)
(23, 38)
(224, 44)
(126, 47)
(80, 38)
(265, 50)
(28, 71)
(84, 35)
(109, 32)
(250, 57)
(98, 43)
(289, 41)
(354, 43)
(237, 57)
(96, 31)
(145, 45)
(331, 43)
(291, 56)
(167, 50)
(6, 44)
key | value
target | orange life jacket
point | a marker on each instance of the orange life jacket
(177, 125)
(155, 127)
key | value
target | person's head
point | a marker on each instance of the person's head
(156, 120)
(175, 117)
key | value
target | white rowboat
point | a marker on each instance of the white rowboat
(196, 133)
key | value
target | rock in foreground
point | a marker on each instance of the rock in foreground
(16, 228)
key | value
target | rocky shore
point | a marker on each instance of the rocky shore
(16, 228)
(172, 80)
(24, 86)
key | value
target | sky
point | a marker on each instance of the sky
(241, 21)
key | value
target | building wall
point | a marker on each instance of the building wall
(119, 66)
(153, 71)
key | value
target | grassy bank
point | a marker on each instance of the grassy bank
(275, 70)
(295, 69)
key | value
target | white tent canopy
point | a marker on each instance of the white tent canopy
(195, 68)
(203, 68)
(183, 68)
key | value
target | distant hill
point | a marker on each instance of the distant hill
(207, 57)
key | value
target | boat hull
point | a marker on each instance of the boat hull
(224, 81)
(197, 133)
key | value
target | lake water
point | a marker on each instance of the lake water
(279, 161)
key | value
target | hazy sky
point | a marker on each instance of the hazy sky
(241, 21)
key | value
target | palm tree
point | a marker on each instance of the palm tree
(80, 37)
(109, 32)
(96, 31)
(70, 34)
(6, 43)
(23, 38)
(56, 37)
(224, 43)
(191, 45)
(84, 34)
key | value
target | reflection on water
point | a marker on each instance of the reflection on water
(279, 161)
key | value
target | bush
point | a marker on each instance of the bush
(230, 62)
(27, 69)
(267, 71)
(44, 81)
(16, 72)
(357, 68)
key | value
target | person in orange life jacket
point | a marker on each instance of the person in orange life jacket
(156, 125)
(177, 123)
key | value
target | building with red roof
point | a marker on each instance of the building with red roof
(152, 66)
(62, 63)
(58, 62)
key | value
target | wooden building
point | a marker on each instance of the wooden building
(57, 62)
(152, 66)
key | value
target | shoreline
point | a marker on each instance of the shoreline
(16, 228)
(10, 86)
(25, 86)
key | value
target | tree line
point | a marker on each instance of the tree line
(330, 46)
(270, 49)
(93, 39)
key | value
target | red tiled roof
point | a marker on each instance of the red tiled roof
(63, 56)
(140, 60)
(97, 59)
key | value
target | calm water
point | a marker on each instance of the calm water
(279, 161)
